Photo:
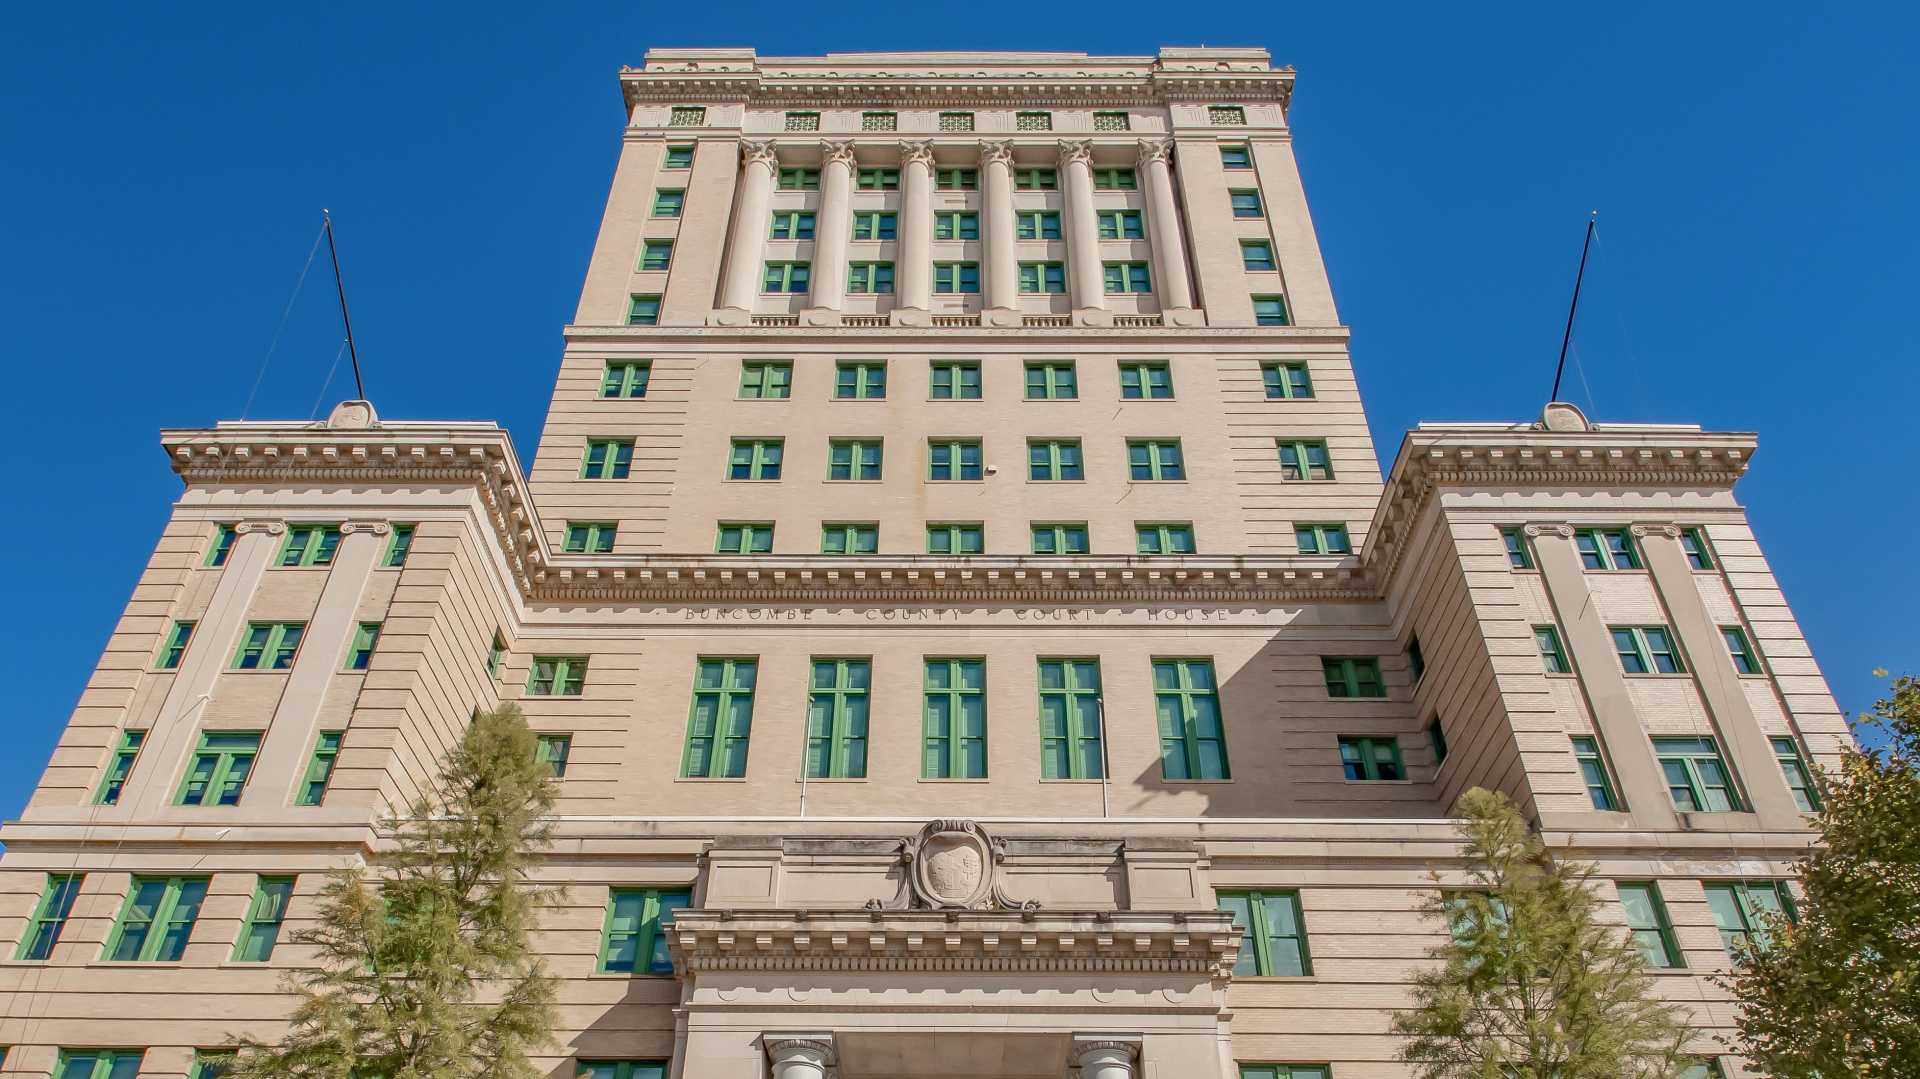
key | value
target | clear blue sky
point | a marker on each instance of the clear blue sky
(164, 167)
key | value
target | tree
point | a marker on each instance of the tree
(1530, 985)
(425, 970)
(1839, 992)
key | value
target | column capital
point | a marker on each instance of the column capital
(1563, 531)
(996, 152)
(378, 528)
(838, 153)
(759, 153)
(1643, 531)
(915, 152)
(1110, 1049)
(1156, 150)
(816, 1048)
(1075, 150)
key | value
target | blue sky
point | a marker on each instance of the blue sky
(165, 166)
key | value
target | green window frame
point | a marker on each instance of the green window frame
(1322, 539)
(1437, 739)
(589, 537)
(268, 646)
(607, 459)
(756, 459)
(950, 278)
(953, 719)
(643, 310)
(1121, 225)
(626, 379)
(766, 380)
(496, 654)
(1697, 776)
(1036, 225)
(1193, 735)
(1036, 179)
(1043, 278)
(1366, 759)
(1146, 381)
(1352, 677)
(621, 1069)
(1606, 549)
(870, 278)
(399, 546)
(876, 225)
(956, 225)
(1285, 381)
(956, 538)
(1274, 944)
(1114, 179)
(1646, 650)
(854, 459)
(98, 1064)
(720, 719)
(656, 255)
(954, 380)
(1595, 773)
(860, 380)
(1126, 277)
(1694, 543)
(218, 772)
(261, 929)
(1793, 765)
(1257, 256)
(557, 676)
(1740, 909)
(790, 225)
(1305, 460)
(786, 278)
(119, 766)
(799, 179)
(1170, 537)
(877, 179)
(678, 157)
(1155, 460)
(156, 920)
(222, 546)
(1416, 659)
(1245, 203)
(743, 537)
(840, 537)
(366, 637)
(954, 459)
(1052, 380)
(1271, 311)
(1059, 537)
(173, 647)
(837, 713)
(50, 916)
(553, 750)
(1235, 156)
(1648, 924)
(326, 753)
(669, 202)
(310, 545)
(1071, 739)
(1553, 654)
(956, 179)
(1519, 551)
(1285, 1071)
(1740, 650)
(636, 925)
(1054, 460)
(212, 1064)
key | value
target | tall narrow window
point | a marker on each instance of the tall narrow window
(1060, 538)
(496, 654)
(119, 767)
(313, 785)
(755, 459)
(1416, 659)
(862, 381)
(1070, 727)
(954, 380)
(1593, 771)
(1647, 921)
(1155, 460)
(842, 538)
(399, 545)
(1696, 776)
(1052, 380)
(1322, 539)
(607, 459)
(1305, 460)
(1437, 740)
(1275, 941)
(557, 676)
(634, 940)
(261, 931)
(720, 720)
(1350, 676)
(268, 646)
(853, 459)
(1799, 776)
(589, 537)
(50, 916)
(1694, 543)
(1519, 552)
(1193, 738)
(954, 719)
(953, 459)
(643, 310)
(1740, 650)
(310, 545)
(1270, 311)
(1553, 656)
(553, 750)
(1742, 908)
(222, 546)
(1053, 459)
(219, 770)
(1146, 381)
(1606, 549)
(1285, 380)
(1371, 758)
(766, 380)
(365, 637)
(174, 648)
(1646, 650)
(157, 920)
(1163, 538)
(837, 719)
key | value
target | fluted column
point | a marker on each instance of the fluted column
(914, 274)
(1163, 223)
(749, 240)
(830, 235)
(800, 1056)
(1105, 1058)
(1083, 228)
(1003, 263)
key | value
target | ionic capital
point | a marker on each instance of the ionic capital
(1563, 531)
(1643, 531)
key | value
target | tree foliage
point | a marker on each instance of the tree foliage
(1529, 984)
(424, 966)
(1839, 992)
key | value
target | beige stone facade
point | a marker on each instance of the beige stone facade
(968, 811)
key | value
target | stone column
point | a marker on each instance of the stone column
(1084, 272)
(830, 236)
(1105, 1057)
(749, 241)
(800, 1056)
(1003, 264)
(1163, 221)
(913, 275)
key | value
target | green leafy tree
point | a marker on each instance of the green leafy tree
(1838, 993)
(1529, 984)
(424, 967)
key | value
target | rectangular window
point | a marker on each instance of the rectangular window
(1371, 758)
(174, 647)
(1193, 737)
(954, 459)
(1043, 277)
(1033, 121)
(1036, 225)
(837, 718)
(1256, 255)
(1052, 381)
(365, 636)
(1070, 720)
(860, 381)
(313, 785)
(879, 121)
(211, 1064)
(755, 458)
(1285, 1071)
(589, 537)
(1741, 910)
(956, 121)
(877, 179)
(607, 459)
(791, 225)
(656, 255)
(1226, 115)
(1437, 738)
(956, 225)
(1553, 656)
(1163, 538)
(875, 226)
(98, 1064)
(261, 931)
(841, 538)
(553, 750)
(634, 940)
(157, 920)
(687, 116)
(622, 1069)
(765, 380)
(1646, 650)
(399, 545)
(678, 157)
(1799, 776)
(1606, 549)
(1416, 659)
(310, 545)
(720, 719)
(1245, 203)
(953, 380)
(1275, 944)
(496, 653)
(956, 277)
(222, 547)
(1146, 381)
(1050, 460)
(1696, 776)
(1121, 225)
(957, 179)
(1235, 157)
(1116, 179)
(669, 203)
(1694, 543)
(557, 676)
(803, 121)
(1593, 771)
(1305, 460)
(786, 278)
(1352, 676)
(1036, 179)
(643, 311)
(953, 722)
(1270, 311)
(50, 916)
(1519, 551)
(1155, 459)
(1322, 539)
(1110, 121)
(119, 767)
(1647, 921)
(1285, 380)
(1126, 277)
(269, 646)
(853, 459)
(870, 278)
(951, 539)
(1059, 538)
(799, 179)
(743, 537)
(1745, 660)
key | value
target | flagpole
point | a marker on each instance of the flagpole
(1566, 339)
(339, 285)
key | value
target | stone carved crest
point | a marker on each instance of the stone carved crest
(952, 865)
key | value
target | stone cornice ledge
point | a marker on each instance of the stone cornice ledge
(578, 332)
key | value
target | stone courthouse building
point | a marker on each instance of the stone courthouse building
(956, 590)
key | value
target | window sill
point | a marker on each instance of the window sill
(710, 779)
(953, 779)
(1659, 675)
(834, 779)
(251, 670)
(1193, 782)
(1275, 979)
(1069, 780)
(1388, 782)
(629, 975)
(946, 400)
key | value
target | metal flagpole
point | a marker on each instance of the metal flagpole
(1567, 339)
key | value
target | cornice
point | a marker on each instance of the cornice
(949, 335)
(915, 86)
